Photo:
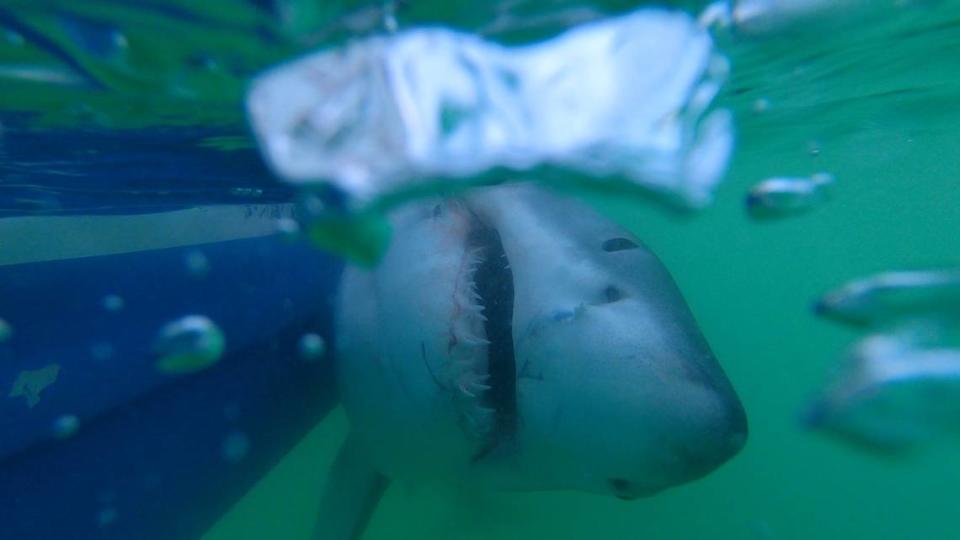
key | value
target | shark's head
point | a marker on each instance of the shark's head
(617, 391)
(520, 339)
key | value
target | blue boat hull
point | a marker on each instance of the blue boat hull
(155, 455)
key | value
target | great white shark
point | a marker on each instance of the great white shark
(515, 339)
(510, 339)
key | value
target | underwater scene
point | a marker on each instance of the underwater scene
(501, 269)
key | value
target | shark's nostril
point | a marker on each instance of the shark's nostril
(619, 486)
(624, 490)
(612, 294)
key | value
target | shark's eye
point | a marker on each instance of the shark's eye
(612, 294)
(618, 244)
(621, 488)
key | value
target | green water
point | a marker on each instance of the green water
(871, 99)
(878, 99)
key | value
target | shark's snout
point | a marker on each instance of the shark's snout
(715, 432)
(666, 423)
(686, 408)
(714, 423)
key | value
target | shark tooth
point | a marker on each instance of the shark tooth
(472, 341)
(486, 411)
(465, 391)
(475, 308)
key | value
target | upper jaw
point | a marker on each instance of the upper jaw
(491, 285)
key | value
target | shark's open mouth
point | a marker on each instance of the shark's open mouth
(493, 283)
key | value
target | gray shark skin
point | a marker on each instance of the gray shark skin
(513, 339)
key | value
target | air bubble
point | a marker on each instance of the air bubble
(119, 40)
(189, 344)
(66, 426)
(107, 516)
(113, 302)
(288, 227)
(390, 16)
(6, 331)
(13, 37)
(197, 263)
(312, 347)
(102, 350)
(208, 62)
(235, 447)
(313, 205)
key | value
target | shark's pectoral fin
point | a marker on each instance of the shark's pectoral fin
(352, 492)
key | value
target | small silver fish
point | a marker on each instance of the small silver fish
(890, 296)
(771, 17)
(776, 197)
(896, 391)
